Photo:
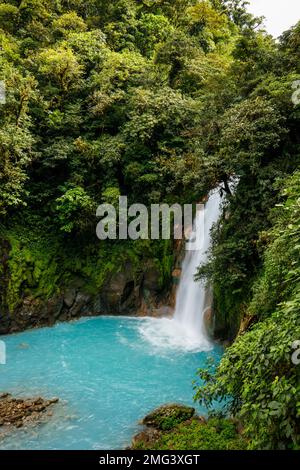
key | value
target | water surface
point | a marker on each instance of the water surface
(107, 373)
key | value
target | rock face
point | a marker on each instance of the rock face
(134, 291)
(208, 314)
(208, 317)
(4, 280)
(146, 437)
(123, 293)
(160, 420)
(18, 412)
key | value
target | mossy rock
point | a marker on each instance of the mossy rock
(168, 416)
(193, 434)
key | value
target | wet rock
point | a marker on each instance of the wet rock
(81, 301)
(151, 278)
(114, 289)
(147, 436)
(54, 307)
(53, 400)
(176, 275)
(121, 293)
(4, 395)
(98, 306)
(69, 297)
(160, 422)
(208, 318)
(163, 311)
(127, 292)
(17, 412)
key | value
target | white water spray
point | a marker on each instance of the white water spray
(186, 330)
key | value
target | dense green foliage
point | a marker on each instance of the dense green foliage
(256, 244)
(216, 434)
(160, 101)
(102, 99)
(257, 371)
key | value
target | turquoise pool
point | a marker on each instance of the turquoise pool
(107, 374)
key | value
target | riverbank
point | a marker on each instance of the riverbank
(23, 412)
(43, 285)
(177, 427)
(107, 375)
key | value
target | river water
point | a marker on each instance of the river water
(107, 374)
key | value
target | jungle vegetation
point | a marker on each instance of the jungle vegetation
(162, 100)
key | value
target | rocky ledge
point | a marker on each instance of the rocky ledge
(123, 293)
(167, 416)
(177, 427)
(164, 418)
(19, 412)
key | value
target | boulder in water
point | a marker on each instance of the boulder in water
(16, 412)
(168, 416)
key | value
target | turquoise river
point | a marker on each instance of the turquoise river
(108, 372)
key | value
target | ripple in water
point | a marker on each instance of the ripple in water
(108, 372)
(107, 375)
(169, 334)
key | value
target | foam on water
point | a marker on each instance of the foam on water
(186, 330)
(168, 334)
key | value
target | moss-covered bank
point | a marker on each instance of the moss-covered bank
(48, 276)
(176, 427)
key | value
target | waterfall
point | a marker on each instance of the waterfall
(186, 330)
(193, 297)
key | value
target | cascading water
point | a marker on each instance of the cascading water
(193, 297)
(186, 330)
(124, 358)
